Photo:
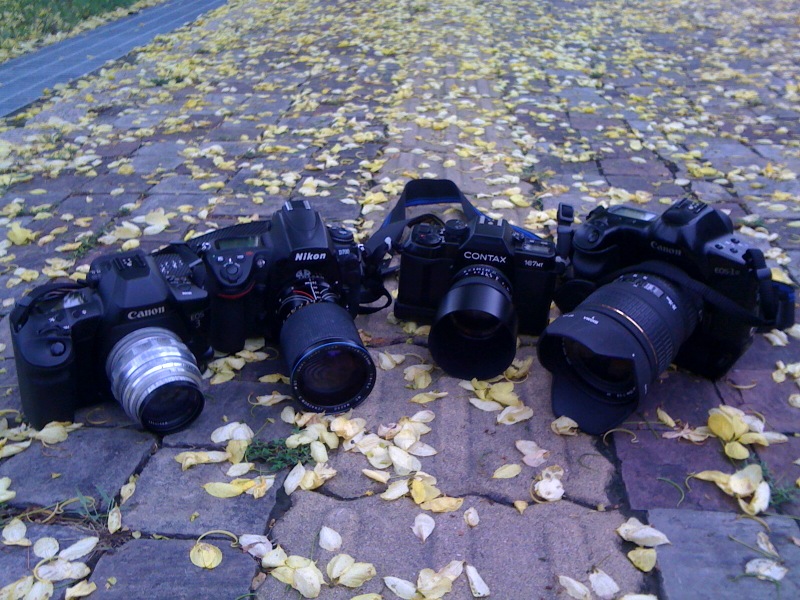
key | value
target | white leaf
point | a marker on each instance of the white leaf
(79, 548)
(46, 547)
(329, 539)
(401, 588)
(476, 583)
(603, 585)
(294, 478)
(423, 526)
(575, 589)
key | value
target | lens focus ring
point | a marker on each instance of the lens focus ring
(639, 310)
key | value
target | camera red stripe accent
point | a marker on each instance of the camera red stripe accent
(239, 295)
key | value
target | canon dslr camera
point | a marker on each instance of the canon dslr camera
(646, 291)
(294, 279)
(130, 332)
(467, 278)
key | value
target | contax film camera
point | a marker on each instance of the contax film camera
(478, 281)
(645, 291)
(134, 330)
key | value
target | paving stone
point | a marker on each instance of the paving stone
(651, 466)
(755, 391)
(689, 571)
(192, 511)
(109, 456)
(373, 530)
(19, 561)
(134, 570)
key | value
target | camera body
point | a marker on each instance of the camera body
(697, 239)
(259, 273)
(434, 257)
(293, 279)
(64, 334)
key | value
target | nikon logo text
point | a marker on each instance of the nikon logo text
(665, 249)
(484, 257)
(310, 256)
(148, 312)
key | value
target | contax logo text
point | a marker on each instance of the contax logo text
(484, 257)
(665, 249)
(310, 256)
(147, 312)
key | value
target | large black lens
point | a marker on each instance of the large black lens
(330, 369)
(605, 354)
(475, 330)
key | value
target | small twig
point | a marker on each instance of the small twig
(676, 486)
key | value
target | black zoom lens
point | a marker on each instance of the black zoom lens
(475, 330)
(331, 371)
(605, 354)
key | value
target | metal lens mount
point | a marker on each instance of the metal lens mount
(475, 330)
(155, 378)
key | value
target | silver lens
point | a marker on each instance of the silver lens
(155, 378)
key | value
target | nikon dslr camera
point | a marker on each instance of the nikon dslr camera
(132, 331)
(646, 291)
(478, 283)
(294, 279)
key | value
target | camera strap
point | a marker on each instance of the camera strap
(776, 299)
(422, 192)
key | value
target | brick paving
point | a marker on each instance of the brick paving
(554, 101)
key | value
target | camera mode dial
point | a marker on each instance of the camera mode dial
(426, 240)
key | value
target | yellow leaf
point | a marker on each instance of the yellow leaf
(736, 451)
(721, 426)
(228, 490)
(114, 520)
(442, 504)
(80, 590)
(665, 418)
(19, 235)
(507, 471)
(564, 426)
(643, 559)
(205, 555)
(520, 505)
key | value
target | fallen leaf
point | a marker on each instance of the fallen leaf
(205, 555)
(423, 526)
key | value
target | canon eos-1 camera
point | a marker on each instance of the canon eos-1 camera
(297, 280)
(645, 291)
(130, 331)
(478, 282)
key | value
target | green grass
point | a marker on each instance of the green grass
(24, 21)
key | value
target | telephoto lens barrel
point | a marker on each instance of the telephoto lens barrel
(330, 370)
(606, 353)
(155, 378)
(474, 334)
